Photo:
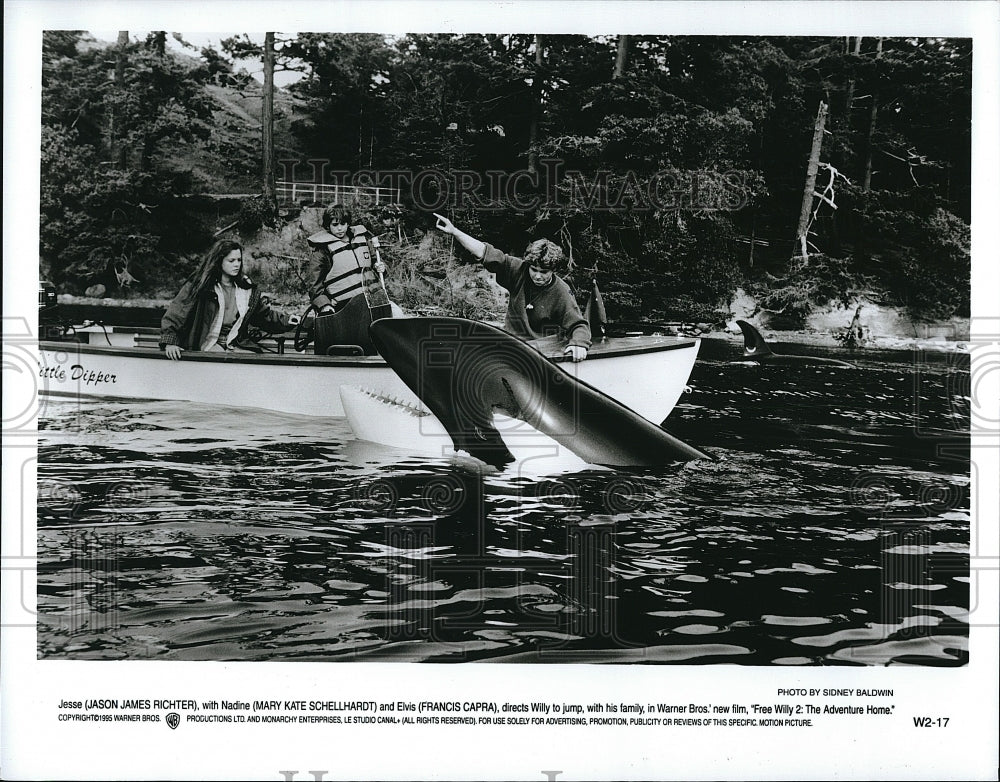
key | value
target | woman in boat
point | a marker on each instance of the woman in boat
(217, 306)
(343, 252)
(540, 303)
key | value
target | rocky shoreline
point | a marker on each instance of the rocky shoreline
(828, 340)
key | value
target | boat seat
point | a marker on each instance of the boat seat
(345, 350)
(272, 343)
(147, 340)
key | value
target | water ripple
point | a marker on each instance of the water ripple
(832, 529)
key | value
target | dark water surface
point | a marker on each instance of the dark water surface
(832, 529)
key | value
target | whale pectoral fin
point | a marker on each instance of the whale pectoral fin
(753, 342)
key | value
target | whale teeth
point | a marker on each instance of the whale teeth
(393, 400)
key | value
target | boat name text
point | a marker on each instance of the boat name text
(76, 372)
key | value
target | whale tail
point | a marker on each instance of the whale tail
(754, 345)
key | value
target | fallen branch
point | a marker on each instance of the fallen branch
(226, 228)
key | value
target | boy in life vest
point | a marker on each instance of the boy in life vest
(344, 252)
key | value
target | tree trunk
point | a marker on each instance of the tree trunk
(361, 134)
(536, 115)
(850, 86)
(871, 126)
(843, 159)
(621, 59)
(267, 125)
(802, 231)
(115, 143)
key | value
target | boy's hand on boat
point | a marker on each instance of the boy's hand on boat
(173, 352)
(575, 352)
(444, 224)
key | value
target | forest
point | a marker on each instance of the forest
(673, 169)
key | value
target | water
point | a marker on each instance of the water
(833, 529)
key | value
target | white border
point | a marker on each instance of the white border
(33, 748)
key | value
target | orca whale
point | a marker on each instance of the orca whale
(756, 350)
(386, 420)
(466, 372)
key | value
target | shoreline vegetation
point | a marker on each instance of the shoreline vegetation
(427, 275)
(796, 337)
(697, 179)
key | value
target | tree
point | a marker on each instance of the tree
(621, 58)
(802, 232)
(458, 102)
(873, 118)
(108, 196)
(267, 127)
(115, 137)
(730, 119)
(536, 103)
(275, 55)
(342, 96)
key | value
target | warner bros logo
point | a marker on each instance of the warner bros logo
(173, 720)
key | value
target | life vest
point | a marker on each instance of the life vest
(348, 257)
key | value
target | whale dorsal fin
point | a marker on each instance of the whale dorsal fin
(753, 342)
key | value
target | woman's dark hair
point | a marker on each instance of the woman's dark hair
(543, 254)
(336, 214)
(209, 273)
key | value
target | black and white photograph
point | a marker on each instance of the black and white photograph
(650, 349)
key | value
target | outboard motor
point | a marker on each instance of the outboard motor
(47, 301)
(50, 325)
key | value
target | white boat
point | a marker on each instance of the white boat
(646, 373)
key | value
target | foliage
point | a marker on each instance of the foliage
(99, 214)
(95, 218)
(807, 284)
(926, 257)
(672, 182)
(423, 277)
(341, 91)
(256, 213)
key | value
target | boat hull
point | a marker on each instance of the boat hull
(304, 385)
(647, 374)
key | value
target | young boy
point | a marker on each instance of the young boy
(540, 302)
(343, 252)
